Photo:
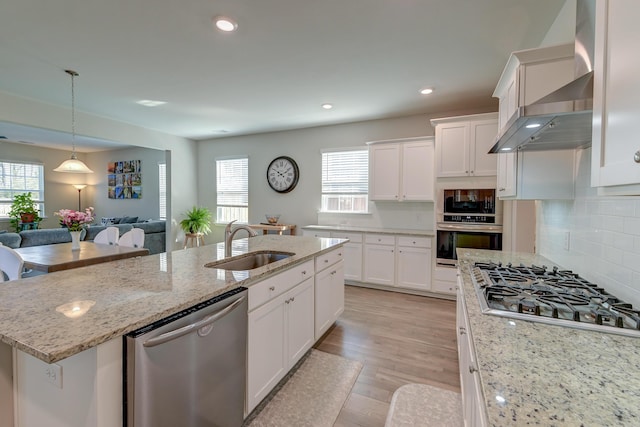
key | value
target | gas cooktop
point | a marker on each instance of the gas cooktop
(552, 296)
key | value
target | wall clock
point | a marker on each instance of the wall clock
(283, 174)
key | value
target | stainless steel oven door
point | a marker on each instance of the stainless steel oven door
(450, 236)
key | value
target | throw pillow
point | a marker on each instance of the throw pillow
(129, 220)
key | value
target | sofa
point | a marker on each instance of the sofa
(154, 235)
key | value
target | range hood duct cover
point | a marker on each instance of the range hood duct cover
(565, 115)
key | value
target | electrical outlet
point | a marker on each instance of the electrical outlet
(567, 240)
(53, 374)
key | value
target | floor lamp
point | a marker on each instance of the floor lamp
(79, 187)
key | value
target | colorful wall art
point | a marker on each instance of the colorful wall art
(124, 179)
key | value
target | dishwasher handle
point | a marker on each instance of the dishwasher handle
(171, 335)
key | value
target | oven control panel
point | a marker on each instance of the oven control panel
(482, 219)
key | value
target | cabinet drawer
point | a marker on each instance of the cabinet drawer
(273, 286)
(316, 233)
(444, 287)
(353, 237)
(414, 242)
(330, 258)
(380, 239)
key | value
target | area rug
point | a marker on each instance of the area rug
(313, 396)
(421, 405)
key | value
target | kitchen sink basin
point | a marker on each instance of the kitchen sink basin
(249, 261)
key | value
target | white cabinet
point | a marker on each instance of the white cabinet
(379, 259)
(352, 254)
(473, 406)
(398, 261)
(329, 297)
(413, 256)
(528, 76)
(536, 175)
(615, 146)
(401, 170)
(507, 178)
(316, 233)
(463, 144)
(280, 329)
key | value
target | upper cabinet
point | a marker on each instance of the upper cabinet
(528, 76)
(615, 149)
(463, 144)
(401, 170)
(536, 175)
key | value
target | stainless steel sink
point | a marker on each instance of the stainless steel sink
(249, 261)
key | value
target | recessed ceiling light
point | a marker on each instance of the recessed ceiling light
(150, 103)
(426, 91)
(533, 125)
(225, 24)
(327, 106)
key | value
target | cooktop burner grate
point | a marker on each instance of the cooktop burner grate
(552, 296)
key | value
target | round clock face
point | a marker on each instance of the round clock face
(283, 174)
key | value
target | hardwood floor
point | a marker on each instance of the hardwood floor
(399, 339)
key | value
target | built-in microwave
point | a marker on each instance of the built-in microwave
(467, 218)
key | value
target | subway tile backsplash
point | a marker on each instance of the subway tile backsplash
(604, 235)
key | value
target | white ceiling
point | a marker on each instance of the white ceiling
(367, 57)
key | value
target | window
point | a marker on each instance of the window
(345, 181)
(162, 189)
(232, 183)
(19, 178)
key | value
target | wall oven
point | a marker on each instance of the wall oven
(468, 218)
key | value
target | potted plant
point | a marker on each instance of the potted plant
(197, 221)
(24, 210)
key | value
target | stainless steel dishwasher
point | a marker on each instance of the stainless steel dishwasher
(189, 369)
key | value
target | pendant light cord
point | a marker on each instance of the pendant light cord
(73, 74)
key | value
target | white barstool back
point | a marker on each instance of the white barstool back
(11, 263)
(133, 238)
(108, 236)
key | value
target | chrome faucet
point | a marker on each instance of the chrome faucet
(228, 235)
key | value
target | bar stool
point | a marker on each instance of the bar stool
(194, 238)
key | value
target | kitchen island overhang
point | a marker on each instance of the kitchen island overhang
(128, 294)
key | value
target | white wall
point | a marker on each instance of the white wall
(144, 208)
(183, 192)
(301, 206)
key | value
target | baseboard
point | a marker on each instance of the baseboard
(401, 290)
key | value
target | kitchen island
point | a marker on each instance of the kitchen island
(76, 319)
(538, 374)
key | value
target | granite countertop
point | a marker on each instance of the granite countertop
(550, 375)
(354, 228)
(129, 294)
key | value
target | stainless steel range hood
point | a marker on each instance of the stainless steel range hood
(562, 119)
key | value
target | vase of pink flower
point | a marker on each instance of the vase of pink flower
(75, 221)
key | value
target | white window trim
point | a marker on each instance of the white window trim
(233, 157)
(331, 212)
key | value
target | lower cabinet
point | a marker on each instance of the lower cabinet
(379, 259)
(329, 297)
(280, 332)
(352, 254)
(413, 256)
(473, 409)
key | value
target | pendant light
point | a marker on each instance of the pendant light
(73, 165)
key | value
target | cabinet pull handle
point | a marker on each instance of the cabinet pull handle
(636, 157)
(304, 272)
(462, 330)
(272, 288)
(472, 369)
(288, 301)
(293, 299)
(326, 261)
(501, 189)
